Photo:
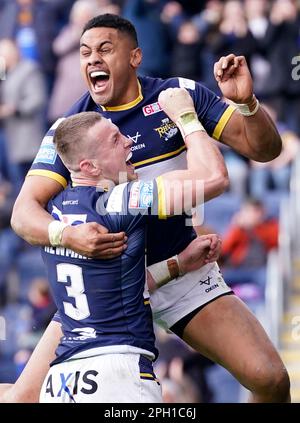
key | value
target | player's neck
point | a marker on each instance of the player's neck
(79, 180)
(131, 98)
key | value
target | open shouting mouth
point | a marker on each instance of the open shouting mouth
(129, 165)
(99, 80)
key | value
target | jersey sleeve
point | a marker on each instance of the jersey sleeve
(134, 201)
(56, 317)
(213, 112)
(147, 198)
(47, 162)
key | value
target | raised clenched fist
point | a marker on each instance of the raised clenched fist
(176, 102)
(179, 106)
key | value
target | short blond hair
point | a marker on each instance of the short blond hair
(71, 135)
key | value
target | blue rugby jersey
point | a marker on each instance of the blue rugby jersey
(104, 303)
(157, 148)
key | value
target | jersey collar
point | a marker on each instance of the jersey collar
(127, 105)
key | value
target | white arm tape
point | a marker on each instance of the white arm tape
(189, 123)
(164, 271)
(55, 231)
(248, 109)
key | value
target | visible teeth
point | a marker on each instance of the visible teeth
(129, 156)
(98, 73)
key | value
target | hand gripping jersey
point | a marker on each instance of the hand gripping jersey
(157, 148)
(104, 305)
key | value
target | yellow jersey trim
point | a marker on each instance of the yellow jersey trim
(127, 105)
(49, 174)
(146, 302)
(149, 375)
(222, 122)
(162, 212)
(162, 156)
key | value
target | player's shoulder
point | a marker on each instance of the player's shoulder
(162, 84)
(76, 197)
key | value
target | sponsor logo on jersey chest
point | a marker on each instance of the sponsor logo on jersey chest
(150, 109)
(134, 139)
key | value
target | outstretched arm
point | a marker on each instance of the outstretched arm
(254, 136)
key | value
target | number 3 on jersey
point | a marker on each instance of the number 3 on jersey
(75, 290)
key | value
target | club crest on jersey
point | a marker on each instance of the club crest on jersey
(141, 195)
(150, 109)
(167, 129)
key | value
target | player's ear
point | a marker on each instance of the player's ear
(136, 57)
(89, 167)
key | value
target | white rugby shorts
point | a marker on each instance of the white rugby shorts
(107, 378)
(181, 296)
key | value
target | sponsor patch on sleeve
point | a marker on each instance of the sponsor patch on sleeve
(187, 83)
(115, 201)
(47, 152)
(141, 195)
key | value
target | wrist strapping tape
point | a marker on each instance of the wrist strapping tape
(55, 231)
(248, 109)
(165, 271)
(189, 123)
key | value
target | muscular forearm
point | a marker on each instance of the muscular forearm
(255, 137)
(205, 163)
(29, 219)
(205, 177)
(262, 136)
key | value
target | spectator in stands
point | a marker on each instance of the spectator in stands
(41, 304)
(22, 105)
(68, 84)
(186, 52)
(9, 242)
(238, 171)
(26, 320)
(152, 35)
(107, 6)
(247, 243)
(33, 24)
(207, 22)
(257, 16)
(234, 35)
(281, 46)
(276, 173)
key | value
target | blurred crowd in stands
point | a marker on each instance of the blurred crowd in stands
(39, 41)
